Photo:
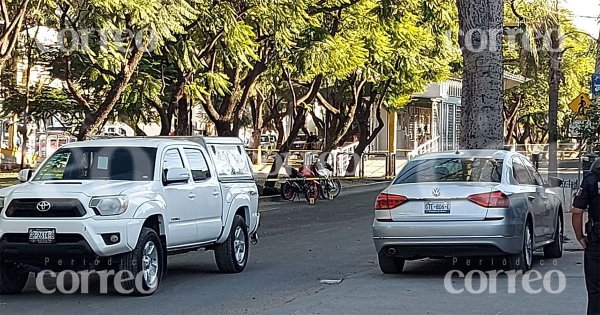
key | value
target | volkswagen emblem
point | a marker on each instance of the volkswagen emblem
(43, 206)
(436, 192)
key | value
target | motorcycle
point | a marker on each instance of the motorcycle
(298, 184)
(330, 188)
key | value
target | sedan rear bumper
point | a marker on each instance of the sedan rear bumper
(448, 238)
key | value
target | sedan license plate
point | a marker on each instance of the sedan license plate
(42, 236)
(437, 208)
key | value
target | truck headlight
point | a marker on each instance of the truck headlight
(113, 205)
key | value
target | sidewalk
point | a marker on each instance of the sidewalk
(571, 244)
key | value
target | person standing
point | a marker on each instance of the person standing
(588, 199)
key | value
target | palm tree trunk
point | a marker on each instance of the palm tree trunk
(482, 125)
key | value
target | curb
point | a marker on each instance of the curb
(344, 191)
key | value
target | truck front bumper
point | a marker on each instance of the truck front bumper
(78, 237)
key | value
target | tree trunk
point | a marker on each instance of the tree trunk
(299, 122)
(482, 125)
(366, 136)
(256, 107)
(224, 128)
(138, 131)
(555, 77)
(183, 125)
(92, 123)
(12, 27)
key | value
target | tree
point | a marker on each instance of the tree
(395, 60)
(480, 38)
(103, 50)
(13, 16)
(527, 106)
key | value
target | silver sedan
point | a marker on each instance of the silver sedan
(468, 203)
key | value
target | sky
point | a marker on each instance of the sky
(584, 10)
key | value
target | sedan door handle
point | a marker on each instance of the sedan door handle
(191, 196)
(531, 198)
(216, 193)
(252, 193)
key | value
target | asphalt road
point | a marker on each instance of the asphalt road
(301, 245)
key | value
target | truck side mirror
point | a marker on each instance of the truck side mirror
(25, 175)
(177, 175)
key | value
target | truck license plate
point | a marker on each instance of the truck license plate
(437, 208)
(42, 236)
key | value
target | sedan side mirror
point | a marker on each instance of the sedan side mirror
(555, 182)
(177, 175)
(25, 175)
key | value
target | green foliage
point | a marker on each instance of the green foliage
(529, 57)
(216, 52)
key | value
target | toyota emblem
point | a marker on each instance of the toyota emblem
(43, 206)
(436, 192)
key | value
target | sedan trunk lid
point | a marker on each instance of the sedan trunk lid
(439, 201)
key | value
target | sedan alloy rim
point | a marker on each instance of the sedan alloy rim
(528, 247)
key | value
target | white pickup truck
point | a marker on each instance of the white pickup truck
(127, 203)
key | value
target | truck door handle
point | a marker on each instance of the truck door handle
(531, 198)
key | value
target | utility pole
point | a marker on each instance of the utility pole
(554, 79)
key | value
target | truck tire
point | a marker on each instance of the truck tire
(144, 262)
(232, 255)
(555, 249)
(12, 280)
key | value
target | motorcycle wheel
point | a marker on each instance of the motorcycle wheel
(333, 186)
(287, 191)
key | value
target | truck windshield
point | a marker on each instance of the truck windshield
(101, 163)
(451, 170)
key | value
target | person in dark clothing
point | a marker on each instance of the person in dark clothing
(588, 199)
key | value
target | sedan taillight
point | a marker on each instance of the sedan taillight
(389, 201)
(495, 199)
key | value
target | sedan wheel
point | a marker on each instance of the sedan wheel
(555, 250)
(524, 260)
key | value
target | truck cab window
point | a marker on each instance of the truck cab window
(198, 165)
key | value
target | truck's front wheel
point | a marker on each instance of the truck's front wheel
(232, 255)
(12, 280)
(144, 264)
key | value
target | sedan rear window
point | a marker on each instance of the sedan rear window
(478, 170)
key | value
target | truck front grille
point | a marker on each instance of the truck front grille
(45, 208)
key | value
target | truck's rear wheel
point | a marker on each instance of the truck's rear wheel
(12, 280)
(232, 255)
(145, 263)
